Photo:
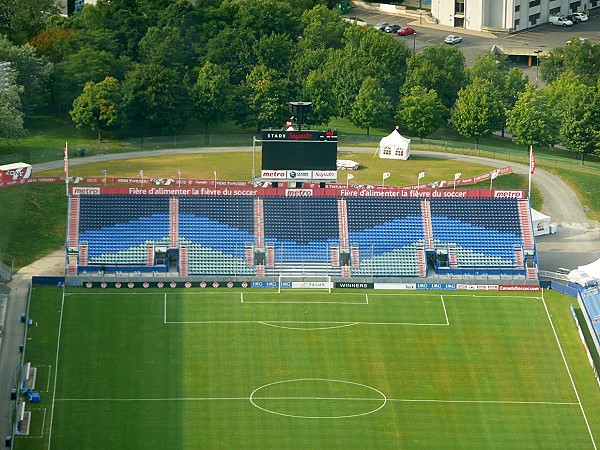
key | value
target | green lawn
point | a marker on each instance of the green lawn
(189, 369)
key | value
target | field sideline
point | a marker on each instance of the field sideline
(226, 368)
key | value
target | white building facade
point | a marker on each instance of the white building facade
(503, 15)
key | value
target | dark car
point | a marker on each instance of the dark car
(392, 28)
(381, 26)
(572, 18)
(405, 31)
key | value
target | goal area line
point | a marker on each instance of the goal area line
(166, 320)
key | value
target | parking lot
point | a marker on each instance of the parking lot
(543, 37)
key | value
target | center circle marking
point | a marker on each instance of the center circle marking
(380, 397)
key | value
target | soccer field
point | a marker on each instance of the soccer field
(226, 368)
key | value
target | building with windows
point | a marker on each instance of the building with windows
(503, 15)
(75, 6)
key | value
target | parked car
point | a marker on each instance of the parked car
(560, 21)
(356, 21)
(405, 31)
(381, 26)
(572, 18)
(452, 39)
(580, 16)
(392, 28)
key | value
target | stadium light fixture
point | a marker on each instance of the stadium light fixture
(301, 112)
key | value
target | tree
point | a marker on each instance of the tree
(155, 98)
(371, 106)
(164, 46)
(264, 99)
(33, 73)
(274, 51)
(385, 59)
(576, 104)
(23, 19)
(210, 95)
(532, 121)
(478, 110)
(323, 28)
(86, 65)
(437, 67)
(581, 58)
(317, 88)
(11, 116)
(421, 111)
(100, 106)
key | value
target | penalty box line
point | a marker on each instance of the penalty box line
(165, 321)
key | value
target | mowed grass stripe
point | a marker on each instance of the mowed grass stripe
(489, 379)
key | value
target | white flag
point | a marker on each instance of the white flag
(386, 175)
(349, 176)
(457, 176)
(142, 173)
(495, 174)
(421, 175)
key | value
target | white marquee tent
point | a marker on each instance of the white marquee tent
(394, 146)
(541, 223)
(588, 275)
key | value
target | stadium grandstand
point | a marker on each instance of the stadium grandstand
(247, 232)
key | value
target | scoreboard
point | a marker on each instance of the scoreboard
(306, 155)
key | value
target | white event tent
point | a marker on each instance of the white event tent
(394, 146)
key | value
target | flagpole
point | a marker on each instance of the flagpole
(215, 173)
(531, 169)
(179, 177)
(66, 168)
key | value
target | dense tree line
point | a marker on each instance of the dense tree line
(148, 66)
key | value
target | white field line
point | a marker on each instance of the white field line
(562, 354)
(302, 303)
(165, 309)
(304, 322)
(445, 312)
(400, 400)
(62, 308)
(367, 298)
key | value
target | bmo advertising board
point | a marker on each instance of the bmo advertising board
(306, 155)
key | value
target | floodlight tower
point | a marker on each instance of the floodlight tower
(300, 112)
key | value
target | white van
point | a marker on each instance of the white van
(560, 21)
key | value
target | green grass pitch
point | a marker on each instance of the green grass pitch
(253, 369)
